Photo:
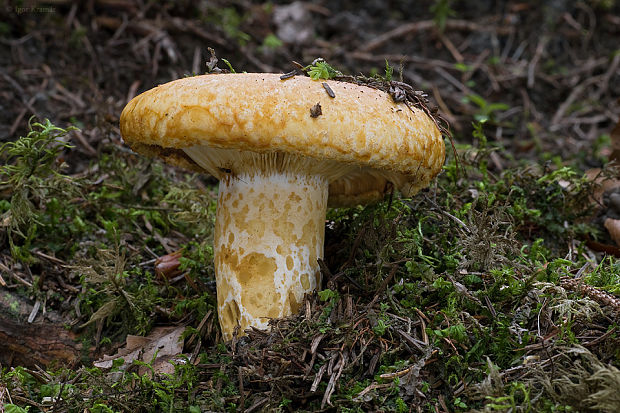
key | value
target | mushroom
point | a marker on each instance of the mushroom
(279, 169)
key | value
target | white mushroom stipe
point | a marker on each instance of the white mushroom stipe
(269, 233)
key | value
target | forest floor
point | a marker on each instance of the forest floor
(496, 289)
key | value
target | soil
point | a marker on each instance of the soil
(555, 65)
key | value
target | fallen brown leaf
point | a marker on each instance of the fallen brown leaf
(602, 184)
(167, 266)
(613, 227)
(158, 348)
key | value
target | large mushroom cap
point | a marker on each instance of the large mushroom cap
(365, 138)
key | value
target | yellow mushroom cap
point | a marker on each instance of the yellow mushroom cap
(362, 134)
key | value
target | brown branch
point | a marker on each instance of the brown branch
(409, 28)
(595, 294)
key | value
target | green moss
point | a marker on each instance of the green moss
(443, 299)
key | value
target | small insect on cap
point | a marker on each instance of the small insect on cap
(283, 149)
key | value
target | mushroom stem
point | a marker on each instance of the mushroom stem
(269, 233)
